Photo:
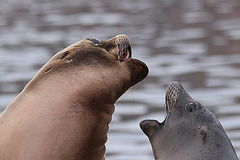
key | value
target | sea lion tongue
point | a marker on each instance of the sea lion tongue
(189, 132)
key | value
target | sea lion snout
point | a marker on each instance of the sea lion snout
(177, 97)
(120, 47)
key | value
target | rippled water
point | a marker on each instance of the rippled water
(195, 42)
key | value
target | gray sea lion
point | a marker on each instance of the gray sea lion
(64, 111)
(189, 132)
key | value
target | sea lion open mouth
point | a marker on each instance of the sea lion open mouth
(171, 98)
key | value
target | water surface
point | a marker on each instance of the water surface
(194, 42)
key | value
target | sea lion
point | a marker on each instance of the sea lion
(64, 111)
(189, 132)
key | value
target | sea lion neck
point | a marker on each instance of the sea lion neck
(104, 88)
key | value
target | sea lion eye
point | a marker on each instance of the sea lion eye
(96, 41)
(64, 55)
(190, 106)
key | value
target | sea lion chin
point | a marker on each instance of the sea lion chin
(64, 111)
(189, 132)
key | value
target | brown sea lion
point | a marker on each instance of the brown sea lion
(189, 132)
(64, 111)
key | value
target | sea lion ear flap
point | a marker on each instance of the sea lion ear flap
(149, 127)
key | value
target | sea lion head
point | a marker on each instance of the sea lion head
(101, 69)
(189, 131)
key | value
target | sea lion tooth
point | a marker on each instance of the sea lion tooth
(189, 132)
(64, 111)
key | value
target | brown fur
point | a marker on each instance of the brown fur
(64, 111)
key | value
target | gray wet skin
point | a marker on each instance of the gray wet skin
(189, 132)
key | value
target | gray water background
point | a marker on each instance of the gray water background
(196, 42)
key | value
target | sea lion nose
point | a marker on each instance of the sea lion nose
(95, 40)
(124, 47)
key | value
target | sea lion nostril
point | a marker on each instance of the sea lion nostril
(130, 51)
(95, 40)
(124, 47)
